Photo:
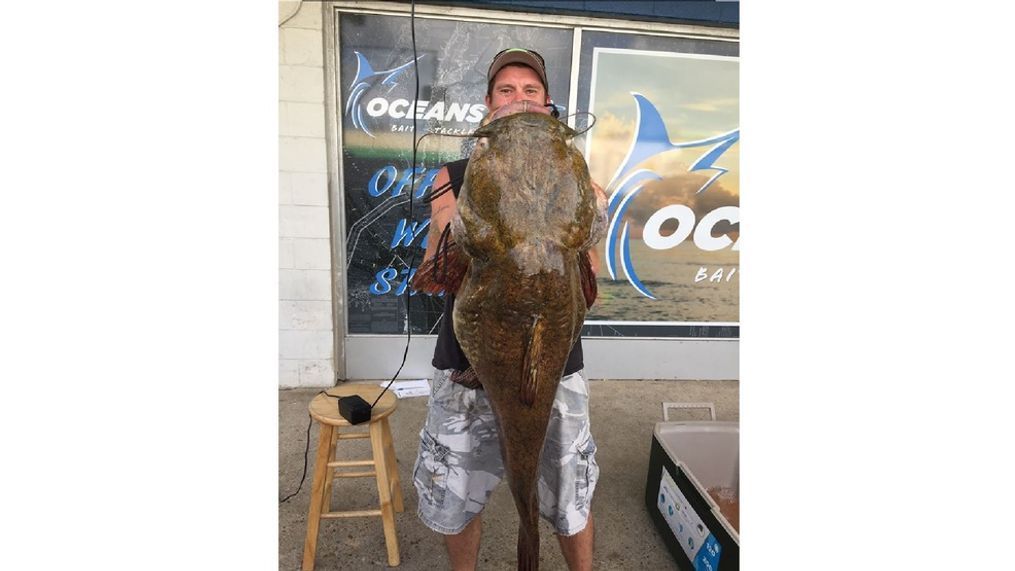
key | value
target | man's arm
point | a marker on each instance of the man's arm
(442, 210)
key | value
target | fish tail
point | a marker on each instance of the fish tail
(528, 551)
(522, 475)
(528, 535)
(530, 363)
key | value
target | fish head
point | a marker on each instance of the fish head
(528, 124)
(526, 185)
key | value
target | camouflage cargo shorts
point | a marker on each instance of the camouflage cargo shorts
(459, 462)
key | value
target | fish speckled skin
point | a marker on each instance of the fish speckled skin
(527, 214)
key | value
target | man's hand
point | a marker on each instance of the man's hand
(598, 225)
(600, 194)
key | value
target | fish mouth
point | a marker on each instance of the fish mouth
(531, 119)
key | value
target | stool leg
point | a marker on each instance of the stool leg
(330, 475)
(384, 491)
(396, 480)
(317, 496)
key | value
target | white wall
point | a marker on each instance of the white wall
(306, 331)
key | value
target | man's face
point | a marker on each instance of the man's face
(516, 83)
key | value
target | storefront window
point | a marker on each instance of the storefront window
(664, 145)
(384, 244)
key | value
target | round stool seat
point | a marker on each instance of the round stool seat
(324, 408)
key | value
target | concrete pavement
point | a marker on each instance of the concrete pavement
(623, 416)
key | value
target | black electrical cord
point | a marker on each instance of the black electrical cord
(412, 256)
(412, 190)
(306, 453)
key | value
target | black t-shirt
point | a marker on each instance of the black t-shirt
(448, 353)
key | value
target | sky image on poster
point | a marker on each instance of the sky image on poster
(665, 146)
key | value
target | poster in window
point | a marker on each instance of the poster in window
(377, 77)
(665, 146)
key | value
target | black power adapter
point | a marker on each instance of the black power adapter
(354, 409)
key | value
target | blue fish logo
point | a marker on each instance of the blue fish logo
(367, 78)
(651, 139)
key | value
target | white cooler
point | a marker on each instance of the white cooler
(686, 460)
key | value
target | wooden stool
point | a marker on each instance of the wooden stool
(324, 409)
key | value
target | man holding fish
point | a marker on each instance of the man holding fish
(518, 251)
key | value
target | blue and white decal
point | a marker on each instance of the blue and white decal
(651, 139)
(367, 78)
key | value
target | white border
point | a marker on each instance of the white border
(377, 357)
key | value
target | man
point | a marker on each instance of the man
(459, 462)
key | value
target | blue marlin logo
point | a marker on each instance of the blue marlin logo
(366, 78)
(651, 139)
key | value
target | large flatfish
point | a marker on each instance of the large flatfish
(518, 262)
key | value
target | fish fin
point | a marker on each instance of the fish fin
(467, 378)
(588, 279)
(530, 364)
(445, 271)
